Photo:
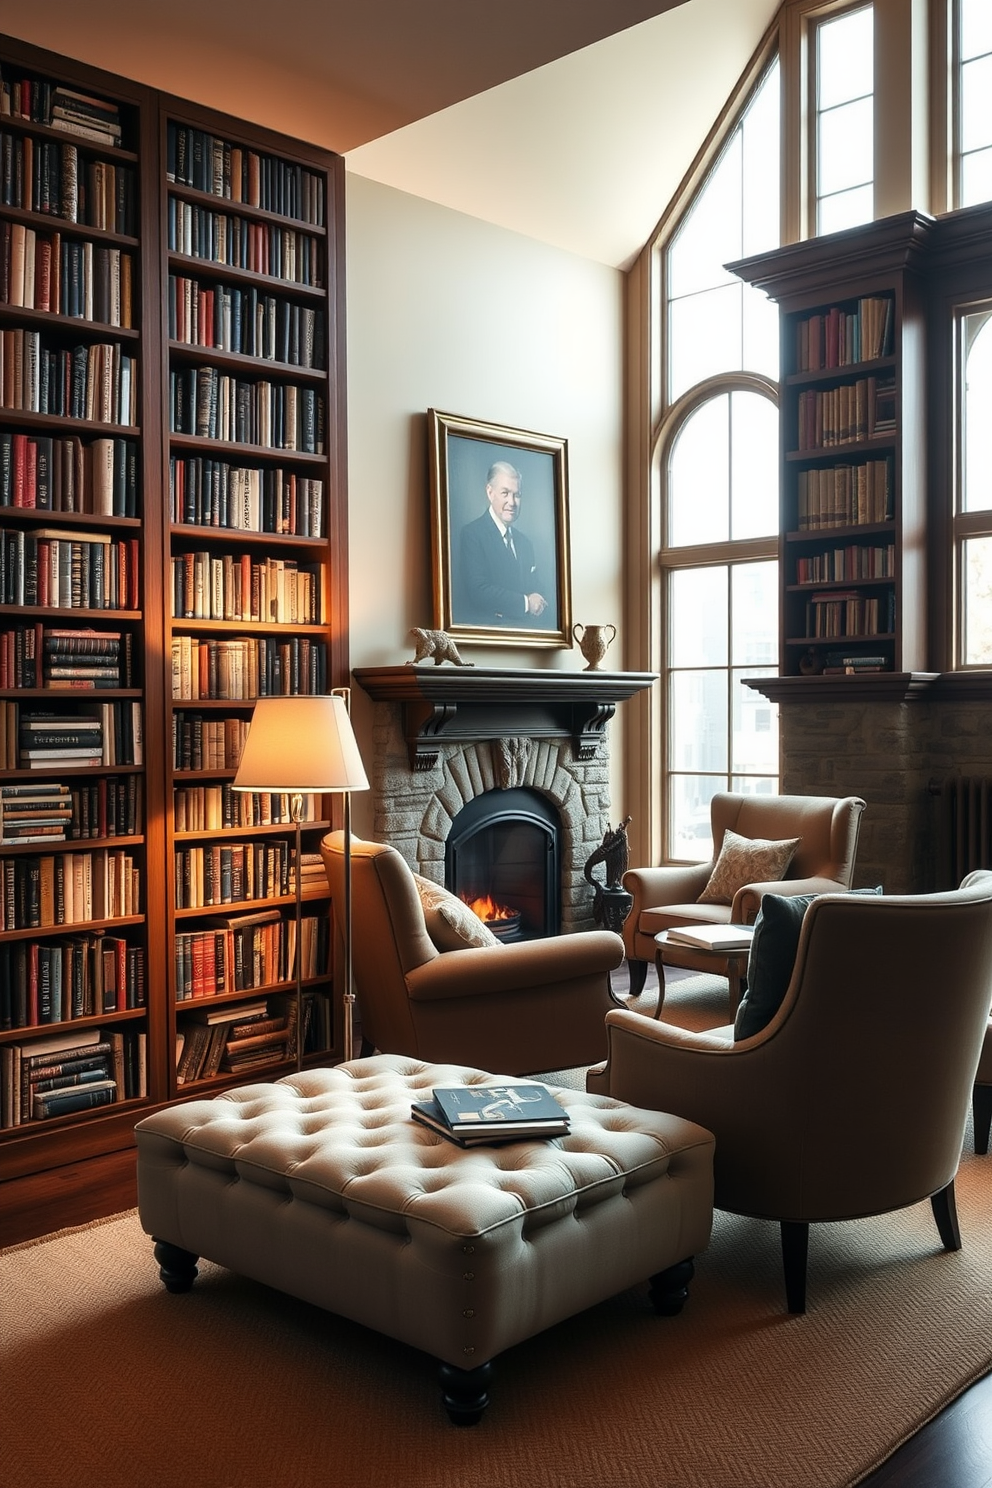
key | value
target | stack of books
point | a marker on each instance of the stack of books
(480, 1115)
(91, 118)
(713, 937)
(59, 739)
(313, 879)
(34, 813)
(83, 659)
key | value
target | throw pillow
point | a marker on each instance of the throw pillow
(451, 925)
(745, 860)
(772, 957)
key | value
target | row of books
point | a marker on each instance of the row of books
(40, 271)
(78, 976)
(211, 493)
(848, 414)
(200, 743)
(71, 660)
(849, 614)
(227, 1040)
(245, 321)
(247, 667)
(229, 586)
(851, 663)
(211, 808)
(230, 873)
(71, 1072)
(69, 888)
(258, 247)
(843, 337)
(98, 734)
(97, 382)
(854, 561)
(846, 495)
(51, 811)
(237, 953)
(42, 102)
(48, 177)
(206, 163)
(39, 472)
(69, 570)
(211, 404)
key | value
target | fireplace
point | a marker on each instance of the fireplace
(503, 857)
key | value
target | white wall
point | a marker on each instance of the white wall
(446, 311)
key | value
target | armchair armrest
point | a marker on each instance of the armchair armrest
(522, 965)
(747, 900)
(661, 1067)
(677, 884)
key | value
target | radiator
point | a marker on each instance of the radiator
(965, 827)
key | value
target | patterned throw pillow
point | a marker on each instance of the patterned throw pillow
(451, 925)
(745, 860)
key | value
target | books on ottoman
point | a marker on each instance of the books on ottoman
(476, 1115)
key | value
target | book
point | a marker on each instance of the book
(480, 1134)
(713, 937)
(491, 1105)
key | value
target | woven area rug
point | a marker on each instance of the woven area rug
(110, 1382)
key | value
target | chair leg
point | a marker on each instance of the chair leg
(945, 1212)
(638, 971)
(981, 1105)
(795, 1248)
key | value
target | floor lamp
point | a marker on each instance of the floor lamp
(299, 745)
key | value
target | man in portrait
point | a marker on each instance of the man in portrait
(498, 578)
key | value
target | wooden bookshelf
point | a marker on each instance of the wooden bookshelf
(172, 457)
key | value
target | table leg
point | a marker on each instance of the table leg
(659, 963)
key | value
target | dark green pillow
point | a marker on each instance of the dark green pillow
(772, 957)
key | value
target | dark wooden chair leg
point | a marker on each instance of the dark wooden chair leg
(981, 1105)
(945, 1212)
(638, 972)
(177, 1267)
(670, 1288)
(795, 1250)
(465, 1392)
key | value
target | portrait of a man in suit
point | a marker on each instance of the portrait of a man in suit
(500, 581)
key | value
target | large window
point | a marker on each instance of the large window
(844, 110)
(717, 462)
(973, 101)
(973, 516)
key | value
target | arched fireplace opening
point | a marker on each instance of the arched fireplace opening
(504, 850)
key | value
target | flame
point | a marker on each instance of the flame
(488, 909)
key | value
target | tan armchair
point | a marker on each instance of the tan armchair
(824, 860)
(853, 1100)
(516, 1009)
(981, 1099)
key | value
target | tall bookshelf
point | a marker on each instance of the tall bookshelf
(852, 457)
(174, 545)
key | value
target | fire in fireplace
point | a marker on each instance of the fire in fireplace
(503, 852)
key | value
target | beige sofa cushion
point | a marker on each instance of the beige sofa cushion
(451, 925)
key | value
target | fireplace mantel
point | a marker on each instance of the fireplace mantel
(450, 703)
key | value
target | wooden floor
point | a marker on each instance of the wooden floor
(954, 1451)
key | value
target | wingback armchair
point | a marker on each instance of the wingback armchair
(514, 1009)
(853, 1099)
(827, 828)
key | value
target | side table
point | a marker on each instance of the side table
(730, 964)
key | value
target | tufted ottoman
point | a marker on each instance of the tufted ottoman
(322, 1186)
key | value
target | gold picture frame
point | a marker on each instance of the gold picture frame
(499, 582)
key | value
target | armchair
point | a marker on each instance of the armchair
(981, 1099)
(828, 830)
(514, 1009)
(853, 1100)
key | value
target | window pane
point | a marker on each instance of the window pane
(753, 466)
(689, 799)
(704, 337)
(754, 738)
(848, 209)
(760, 332)
(845, 58)
(699, 477)
(755, 785)
(976, 483)
(710, 236)
(754, 608)
(760, 168)
(698, 712)
(976, 27)
(976, 111)
(976, 178)
(846, 152)
(978, 601)
(698, 598)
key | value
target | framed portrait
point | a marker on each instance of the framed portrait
(499, 533)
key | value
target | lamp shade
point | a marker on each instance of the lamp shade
(301, 744)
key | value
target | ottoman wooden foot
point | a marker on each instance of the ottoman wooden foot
(465, 1392)
(670, 1288)
(176, 1267)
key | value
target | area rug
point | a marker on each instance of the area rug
(110, 1382)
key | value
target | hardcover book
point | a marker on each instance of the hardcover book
(492, 1105)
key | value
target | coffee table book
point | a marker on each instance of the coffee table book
(485, 1134)
(713, 937)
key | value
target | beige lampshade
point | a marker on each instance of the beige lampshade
(301, 744)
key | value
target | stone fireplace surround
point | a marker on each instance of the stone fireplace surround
(443, 736)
